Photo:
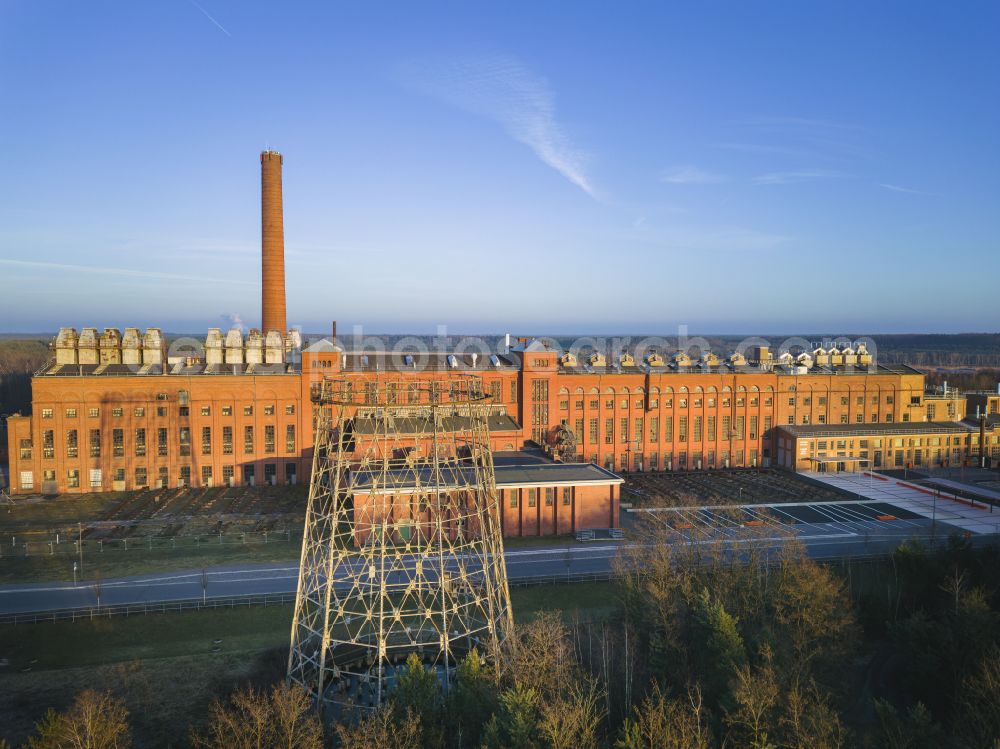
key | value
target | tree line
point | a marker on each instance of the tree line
(710, 648)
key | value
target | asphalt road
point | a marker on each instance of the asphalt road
(848, 532)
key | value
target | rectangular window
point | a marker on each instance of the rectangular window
(95, 443)
(116, 413)
(185, 476)
(46, 413)
(206, 440)
(682, 429)
(738, 427)
(549, 496)
(118, 443)
(27, 480)
(697, 429)
(609, 431)
(139, 412)
(290, 438)
(94, 413)
(70, 413)
(48, 444)
(206, 475)
(248, 410)
(161, 411)
(73, 478)
(753, 427)
(513, 391)
(227, 440)
(592, 427)
(532, 497)
(140, 443)
(72, 444)
(567, 496)
(96, 478)
(711, 429)
(638, 430)
(141, 478)
(227, 410)
(206, 410)
(513, 499)
(290, 409)
(668, 431)
(248, 439)
(269, 410)
(161, 441)
(184, 438)
(269, 438)
(227, 474)
(623, 432)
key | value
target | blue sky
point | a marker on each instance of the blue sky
(536, 167)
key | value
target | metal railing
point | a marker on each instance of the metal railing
(156, 607)
(60, 544)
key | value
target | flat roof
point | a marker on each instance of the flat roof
(199, 369)
(876, 430)
(507, 477)
(724, 368)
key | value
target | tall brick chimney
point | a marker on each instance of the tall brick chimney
(272, 234)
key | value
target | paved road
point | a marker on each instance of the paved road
(846, 532)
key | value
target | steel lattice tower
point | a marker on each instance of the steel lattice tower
(403, 549)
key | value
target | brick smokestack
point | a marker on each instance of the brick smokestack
(272, 234)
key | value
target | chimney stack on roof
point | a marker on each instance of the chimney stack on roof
(272, 235)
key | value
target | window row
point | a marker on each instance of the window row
(161, 411)
(160, 446)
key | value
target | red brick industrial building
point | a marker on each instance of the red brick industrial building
(114, 412)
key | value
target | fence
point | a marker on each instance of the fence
(61, 545)
(158, 607)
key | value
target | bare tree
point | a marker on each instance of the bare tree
(661, 723)
(380, 730)
(260, 720)
(756, 696)
(96, 720)
(572, 720)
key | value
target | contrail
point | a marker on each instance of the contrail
(209, 17)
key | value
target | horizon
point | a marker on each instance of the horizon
(458, 166)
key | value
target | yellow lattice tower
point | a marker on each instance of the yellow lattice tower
(403, 549)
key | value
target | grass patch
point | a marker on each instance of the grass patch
(168, 667)
(533, 542)
(586, 601)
